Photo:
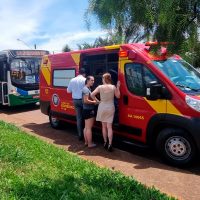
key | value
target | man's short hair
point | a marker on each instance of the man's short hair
(82, 71)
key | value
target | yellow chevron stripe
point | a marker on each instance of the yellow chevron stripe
(46, 70)
(122, 63)
(76, 58)
(46, 74)
(160, 107)
(171, 109)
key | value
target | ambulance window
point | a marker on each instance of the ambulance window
(134, 78)
(148, 76)
(62, 77)
(138, 78)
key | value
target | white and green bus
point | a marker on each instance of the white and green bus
(19, 76)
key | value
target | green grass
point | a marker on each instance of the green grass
(33, 169)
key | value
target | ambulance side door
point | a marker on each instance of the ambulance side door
(135, 110)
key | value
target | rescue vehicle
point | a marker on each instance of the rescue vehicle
(160, 94)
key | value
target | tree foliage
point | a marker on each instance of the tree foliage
(66, 48)
(116, 17)
(156, 18)
(162, 20)
(99, 42)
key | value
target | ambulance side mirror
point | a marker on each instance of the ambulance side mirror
(156, 91)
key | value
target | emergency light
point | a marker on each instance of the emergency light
(158, 50)
(150, 43)
(123, 53)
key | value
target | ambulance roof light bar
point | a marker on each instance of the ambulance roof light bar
(150, 43)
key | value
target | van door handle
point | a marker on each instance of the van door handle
(125, 100)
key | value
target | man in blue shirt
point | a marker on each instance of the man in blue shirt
(75, 87)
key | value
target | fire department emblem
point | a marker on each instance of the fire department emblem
(55, 99)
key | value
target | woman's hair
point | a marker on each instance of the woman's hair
(107, 78)
(88, 79)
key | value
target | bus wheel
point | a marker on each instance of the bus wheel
(176, 147)
(55, 123)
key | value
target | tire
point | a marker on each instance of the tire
(54, 122)
(176, 147)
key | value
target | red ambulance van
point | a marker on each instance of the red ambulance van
(160, 94)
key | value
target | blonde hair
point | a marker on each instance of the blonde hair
(107, 78)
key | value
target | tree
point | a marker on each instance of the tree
(117, 18)
(162, 20)
(66, 48)
(99, 42)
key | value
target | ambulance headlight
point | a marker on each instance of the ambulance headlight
(193, 103)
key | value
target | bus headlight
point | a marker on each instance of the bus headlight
(14, 92)
(193, 103)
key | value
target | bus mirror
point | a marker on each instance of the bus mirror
(132, 54)
(154, 91)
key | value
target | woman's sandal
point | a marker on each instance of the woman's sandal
(105, 145)
(110, 147)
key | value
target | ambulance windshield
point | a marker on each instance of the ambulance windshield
(181, 73)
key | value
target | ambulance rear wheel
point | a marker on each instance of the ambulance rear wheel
(54, 122)
(176, 147)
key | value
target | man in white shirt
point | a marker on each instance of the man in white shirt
(75, 87)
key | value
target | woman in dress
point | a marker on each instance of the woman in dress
(88, 111)
(106, 109)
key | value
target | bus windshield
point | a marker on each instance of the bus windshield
(181, 73)
(25, 70)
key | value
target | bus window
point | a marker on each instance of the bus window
(3, 71)
(25, 70)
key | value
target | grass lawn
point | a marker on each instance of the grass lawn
(32, 169)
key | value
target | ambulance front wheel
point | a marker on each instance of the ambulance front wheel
(54, 122)
(176, 147)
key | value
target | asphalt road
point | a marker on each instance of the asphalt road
(143, 164)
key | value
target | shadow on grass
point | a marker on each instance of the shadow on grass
(66, 188)
(96, 184)
(141, 158)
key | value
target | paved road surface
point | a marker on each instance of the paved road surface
(142, 164)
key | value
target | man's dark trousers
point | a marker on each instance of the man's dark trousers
(78, 104)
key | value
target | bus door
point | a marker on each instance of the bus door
(3, 82)
(4, 93)
(135, 110)
(1, 93)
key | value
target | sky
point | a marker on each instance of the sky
(48, 24)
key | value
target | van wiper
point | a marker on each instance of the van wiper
(184, 86)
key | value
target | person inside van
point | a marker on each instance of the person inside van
(106, 108)
(88, 111)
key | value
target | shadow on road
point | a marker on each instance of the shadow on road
(18, 109)
(141, 158)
